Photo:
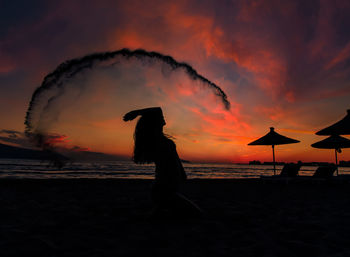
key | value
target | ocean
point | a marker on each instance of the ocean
(34, 169)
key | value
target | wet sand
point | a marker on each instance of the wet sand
(111, 218)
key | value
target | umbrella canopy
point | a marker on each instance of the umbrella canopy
(273, 138)
(341, 127)
(333, 142)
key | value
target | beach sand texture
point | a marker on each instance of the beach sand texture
(111, 218)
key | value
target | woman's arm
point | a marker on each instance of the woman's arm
(147, 111)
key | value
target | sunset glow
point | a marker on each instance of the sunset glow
(282, 64)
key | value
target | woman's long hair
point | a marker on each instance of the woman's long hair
(148, 134)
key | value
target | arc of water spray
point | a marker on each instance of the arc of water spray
(70, 68)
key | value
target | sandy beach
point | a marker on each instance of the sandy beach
(111, 218)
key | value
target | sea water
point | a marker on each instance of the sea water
(36, 169)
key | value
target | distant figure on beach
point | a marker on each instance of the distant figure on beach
(152, 145)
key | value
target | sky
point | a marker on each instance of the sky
(282, 64)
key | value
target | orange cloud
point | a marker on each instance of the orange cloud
(273, 113)
(187, 35)
(309, 132)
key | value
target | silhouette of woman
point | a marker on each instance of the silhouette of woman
(152, 145)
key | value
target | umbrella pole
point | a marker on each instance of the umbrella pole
(336, 161)
(273, 154)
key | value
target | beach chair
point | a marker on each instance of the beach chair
(325, 171)
(290, 170)
(289, 173)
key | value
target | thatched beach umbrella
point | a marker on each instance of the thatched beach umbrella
(333, 142)
(273, 138)
(341, 127)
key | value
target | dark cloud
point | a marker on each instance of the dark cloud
(14, 137)
(11, 133)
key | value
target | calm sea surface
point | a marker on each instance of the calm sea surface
(18, 168)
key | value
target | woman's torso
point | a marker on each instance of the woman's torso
(169, 170)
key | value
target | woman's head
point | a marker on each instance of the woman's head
(148, 133)
(151, 124)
